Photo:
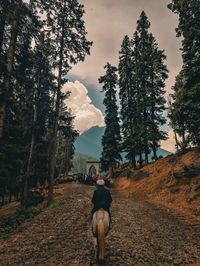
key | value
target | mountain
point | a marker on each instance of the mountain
(89, 144)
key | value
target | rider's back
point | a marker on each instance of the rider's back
(101, 198)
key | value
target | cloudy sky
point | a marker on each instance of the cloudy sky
(107, 22)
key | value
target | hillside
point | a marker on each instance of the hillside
(173, 181)
(89, 143)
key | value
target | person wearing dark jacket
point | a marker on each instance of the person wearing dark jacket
(101, 198)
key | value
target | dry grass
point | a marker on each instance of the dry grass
(173, 181)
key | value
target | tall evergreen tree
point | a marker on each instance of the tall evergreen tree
(128, 100)
(156, 84)
(16, 99)
(177, 113)
(142, 74)
(143, 26)
(111, 138)
(68, 35)
(41, 117)
(19, 16)
(188, 28)
(67, 136)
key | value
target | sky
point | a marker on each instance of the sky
(107, 22)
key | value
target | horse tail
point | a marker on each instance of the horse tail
(101, 240)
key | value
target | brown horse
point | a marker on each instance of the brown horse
(100, 227)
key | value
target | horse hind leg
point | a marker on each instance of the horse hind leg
(95, 248)
(101, 241)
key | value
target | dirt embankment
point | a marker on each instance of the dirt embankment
(173, 181)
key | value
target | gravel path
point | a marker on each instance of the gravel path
(142, 234)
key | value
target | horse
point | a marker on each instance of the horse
(100, 228)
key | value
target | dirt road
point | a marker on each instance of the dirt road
(142, 234)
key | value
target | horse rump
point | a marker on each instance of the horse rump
(100, 227)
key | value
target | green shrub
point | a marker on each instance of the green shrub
(56, 203)
(10, 224)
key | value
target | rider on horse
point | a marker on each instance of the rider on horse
(101, 198)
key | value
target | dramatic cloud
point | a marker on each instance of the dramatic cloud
(108, 21)
(87, 115)
(169, 144)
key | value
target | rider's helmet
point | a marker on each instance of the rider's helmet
(100, 182)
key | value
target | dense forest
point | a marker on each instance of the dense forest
(39, 43)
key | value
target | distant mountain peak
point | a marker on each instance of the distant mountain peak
(89, 143)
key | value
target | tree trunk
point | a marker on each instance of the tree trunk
(3, 199)
(146, 157)
(55, 128)
(2, 117)
(146, 153)
(3, 17)
(110, 171)
(26, 186)
(67, 156)
(33, 137)
(54, 142)
(10, 197)
(61, 169)
(54, 147)
(133, 161)
(140, 159)
(154, 151)
(2, 28)
(64, 164)
(176, 140)
(9, 69)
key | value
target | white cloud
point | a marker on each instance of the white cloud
(169, 144)
(87, 115)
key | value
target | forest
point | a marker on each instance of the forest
(40, 41)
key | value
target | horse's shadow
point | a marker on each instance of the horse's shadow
(102, 262)
(97, 261)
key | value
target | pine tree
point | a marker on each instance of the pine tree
(188, 28)
(128, 100)
(68, 36)
(67, 136)
(16, 93)
(5, 6)
(143, 72)
(18, 110)
(111, 138)
(42, 109)
(18, 17)
(177, 113)
(156, 85)
(137, 138)
(142, 75)
(152, 73)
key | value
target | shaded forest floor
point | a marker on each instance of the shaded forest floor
(143, 234)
